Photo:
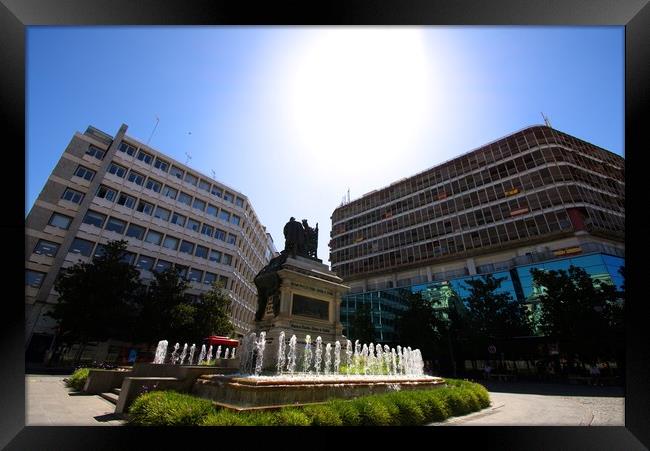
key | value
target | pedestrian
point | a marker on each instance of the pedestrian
(487, 370)
(594, 372)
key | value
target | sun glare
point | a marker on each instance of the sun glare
(359, 96)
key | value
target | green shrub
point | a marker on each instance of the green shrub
(78, 379)
(373, 411)
(409, 411)
(169, 408)
(323, 415)
(225, 417)
(433, 406)
(290, 416)
(260, 418)
(347, 411)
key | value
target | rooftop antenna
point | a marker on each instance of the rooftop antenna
(154, 129)
(546, 121)
(348, 195)
(189, 157)
(214, 176)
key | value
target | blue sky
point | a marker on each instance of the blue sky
(293, 117)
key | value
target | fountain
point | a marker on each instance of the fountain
(337, 356)
(306, 363)
(232, 356)
(209, 358)
(291, 357)
(201, 355)
(218, 355)
(318, 355)
(192, 350)
(225, 357)
(174, 357)
(281, 360)
(328, 358)
(161, 352)
(261, 343)
(184, 353)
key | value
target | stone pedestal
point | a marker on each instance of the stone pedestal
(306, 301)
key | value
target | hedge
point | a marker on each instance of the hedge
(401, 408)
(78, 379)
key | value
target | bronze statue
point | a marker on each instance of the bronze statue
(311, 240)
(294, 236)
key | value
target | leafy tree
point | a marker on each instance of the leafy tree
(492, 315)
(97, 300)
(361, 327)
(165, 311)
(585, 316)
(212, 313)
(420, 326)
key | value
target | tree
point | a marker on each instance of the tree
(212, 313)
(492, 315)
(584, 316)
(420, 326)
(165, 311)
(97, 300)
(361, 327)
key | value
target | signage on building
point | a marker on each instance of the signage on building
(568, 251)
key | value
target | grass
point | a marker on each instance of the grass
(402, 408)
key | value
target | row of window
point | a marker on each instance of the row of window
(167, 215)
(152, 236)
(172, 193)
(514, 169)
(179, 173)
(582, 153)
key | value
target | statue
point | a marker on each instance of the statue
(311, 240)
(294, 236)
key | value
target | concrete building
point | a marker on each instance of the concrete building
(114, 187)
(536, 198)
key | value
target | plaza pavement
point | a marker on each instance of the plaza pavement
(50, 403)
(536, 404)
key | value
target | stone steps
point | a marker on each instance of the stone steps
(110, 397)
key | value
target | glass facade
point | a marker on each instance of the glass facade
(388, 304)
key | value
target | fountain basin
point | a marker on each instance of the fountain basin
(271, 392)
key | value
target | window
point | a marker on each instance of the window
(210, 278)
(193, 225)
(191, 179)
(128, 257)
(239, 202)
(185, 198)
(170, 242)
(72, 196)
(126, 148)
(207, 230)
(144, 157)
(235, 219)
(220, 235)
(195, 275)
(83, 247)
(115, 225)
(48, 248)
(176, 172)
(187, 247)
(135, 231)
(227, 259)
(136, 178)
(201, 251)
(216, 191)
(161, 164)
(223, 214)
(215, 256)
(60, 221)
(162, 265)
(117, 170)
(232, 239)
(153, 237)
(178, 219)
(224, 281)
(228, 197)
(34, 278)
(84, 173)
(145, 263)
(153, 185)
(106, 193)
(126, 200)
(212, 210)
(182, 271)
(145, 207)
(199, 204)
(94, 218)
(100, 250)
(205, 186)
(162, 213)
(169, 192)
(95, 152)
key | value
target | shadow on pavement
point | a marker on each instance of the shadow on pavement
(110, 417)
(557, 389)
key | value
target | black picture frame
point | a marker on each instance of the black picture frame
(634, 15)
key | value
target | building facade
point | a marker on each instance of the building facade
(113, 187)
(536, 198)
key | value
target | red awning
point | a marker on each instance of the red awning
(222, 341)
